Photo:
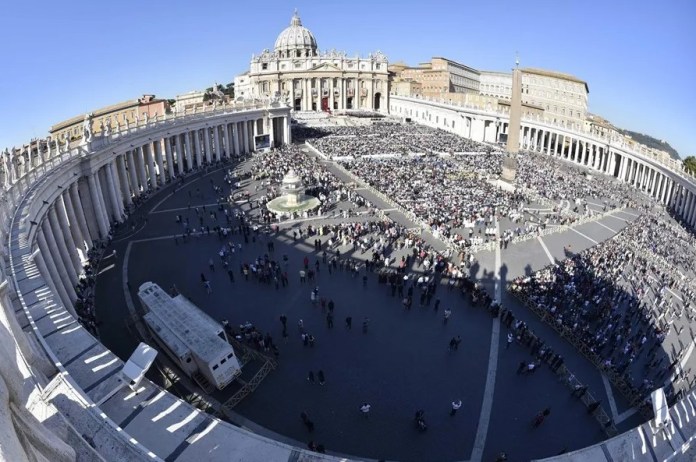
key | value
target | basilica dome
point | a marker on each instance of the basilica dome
(296, 40)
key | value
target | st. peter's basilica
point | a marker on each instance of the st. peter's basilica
(309, 80)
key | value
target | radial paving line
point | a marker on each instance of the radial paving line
(584, 235)
(487, 402)
(546, 249)
(605, 226)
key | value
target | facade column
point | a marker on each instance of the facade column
(67, 230)
(170, 158)
(98, 207)
(208, 149)
(79, 212)
(52, 275)
(63, 265)
(75, 227)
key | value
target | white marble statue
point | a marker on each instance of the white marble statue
(6, 167)
(87, 129)
(147, 117)
(107, 127)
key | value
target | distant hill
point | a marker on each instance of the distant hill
(652, 143)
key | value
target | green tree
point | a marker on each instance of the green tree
(690, 164)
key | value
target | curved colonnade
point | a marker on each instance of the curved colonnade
(53, 213)
(666, 182)
(57, 373)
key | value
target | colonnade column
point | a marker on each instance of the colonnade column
(226, 139)
(48, 268)
(216, 141)
(665, 190)
(170, 158)
(79, 212)
(149, 154)
(133, 174)
(123, 178)
(75, 226)
(235, 136)
(245, 134)
(157, 151)
(64, 272)
(116, 202)
(140, 160)
(206, 141)
(189, 151)
(97, 206)
(197, 143)
(60, 220)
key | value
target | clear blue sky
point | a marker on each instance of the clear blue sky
(61, 59)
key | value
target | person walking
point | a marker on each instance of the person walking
(365, 409)
(366, 323)
(310, 377)
(320, 376)
(349, 322)
(452, 344)
(455, 407)
(522, 367)
(540, 417)
(307, 421)
(329, 320)
(509, 340)
(447, 315)
(284, 321)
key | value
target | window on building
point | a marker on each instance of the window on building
(264, 66)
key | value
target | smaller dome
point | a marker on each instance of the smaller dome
(296, 37)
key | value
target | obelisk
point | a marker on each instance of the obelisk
(513, 138)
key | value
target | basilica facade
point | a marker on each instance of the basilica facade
(304, 78)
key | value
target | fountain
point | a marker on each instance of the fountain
(293, 200)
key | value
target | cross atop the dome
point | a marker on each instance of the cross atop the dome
(295, 21)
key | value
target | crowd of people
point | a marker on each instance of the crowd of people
(443, 193)
(384, 138)
(555, 180)
(620, 300)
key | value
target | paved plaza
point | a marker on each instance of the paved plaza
(403, 362)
